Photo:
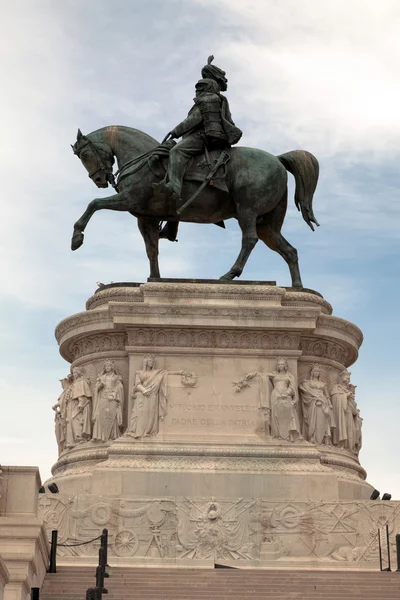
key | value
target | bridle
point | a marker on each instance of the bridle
(103, 166)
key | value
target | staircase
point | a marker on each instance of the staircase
(70, 583)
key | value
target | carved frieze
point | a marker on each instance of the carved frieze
(194, 528)
(211, 338)
(318, 347)
(99, 342)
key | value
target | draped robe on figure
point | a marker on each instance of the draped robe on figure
(79, 427)
(318, 418)
(339, 398)
(148, 409)
(281, 397)
(107, 407)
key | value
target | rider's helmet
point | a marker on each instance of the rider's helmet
(212, 72)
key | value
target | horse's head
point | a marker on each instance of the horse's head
(97, 159)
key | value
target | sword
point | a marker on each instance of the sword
(222, 160)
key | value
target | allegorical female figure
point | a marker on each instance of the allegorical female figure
(150, 400)
(284, 402)
(60, 413)
(317, 408)
(78, 410)
(107, 404)
(341, 396)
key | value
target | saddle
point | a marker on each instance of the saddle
(198, 167)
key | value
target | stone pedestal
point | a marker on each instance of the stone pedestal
(207, 464)
(24, 549)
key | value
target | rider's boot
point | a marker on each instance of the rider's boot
(169, 231)
(176, 169)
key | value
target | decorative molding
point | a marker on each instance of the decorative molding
(333, 461)
(319, 347)
(211, 338)
(81, 320)
(191, 310)
(213, 291)
(117, 294)
(95, 343)
(304, 299)
(343, 326)
(213, 464)
(90, 456)
(308, 452)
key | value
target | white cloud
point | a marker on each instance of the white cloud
(323, 75)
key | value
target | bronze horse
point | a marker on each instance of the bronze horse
(257, 198)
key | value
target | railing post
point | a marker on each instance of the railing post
(104, 543)
(398, 551)
(388, 546)
(380, 549)
(35, 593)
(53, 552)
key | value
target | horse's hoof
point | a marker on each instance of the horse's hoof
(227, 277)
(77, 240)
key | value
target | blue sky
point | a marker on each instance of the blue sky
(315, 74)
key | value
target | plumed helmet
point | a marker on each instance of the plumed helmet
(212, 72)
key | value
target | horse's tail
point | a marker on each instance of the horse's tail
(305, 168)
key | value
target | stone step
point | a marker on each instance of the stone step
(70, 583)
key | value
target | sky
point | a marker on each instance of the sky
(318, 75)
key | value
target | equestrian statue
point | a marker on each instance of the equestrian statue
(200, 179)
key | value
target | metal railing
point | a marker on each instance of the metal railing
(94, 593)
(97, 592)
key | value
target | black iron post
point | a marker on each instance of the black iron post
(104, 544)
(53, 552)
(388, 546)
(380, 549)
(398, 551)
(35, 593)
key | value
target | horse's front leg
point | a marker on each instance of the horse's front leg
(149, 228)
(117, 202)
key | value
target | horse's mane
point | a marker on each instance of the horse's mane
(140, 136)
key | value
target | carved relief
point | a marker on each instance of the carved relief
(214, 529)
(206, 338)
(221, 528)
(92, 344)
(77, 418)
(324, 349)
(278, 399)
(107, 404)
(150, 395)
(78, 409)
(317, 408)
(347, 433)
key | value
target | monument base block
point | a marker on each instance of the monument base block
(215, 434)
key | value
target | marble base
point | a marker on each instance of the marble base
(211, 481)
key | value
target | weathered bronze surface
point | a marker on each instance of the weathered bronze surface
(154, 192)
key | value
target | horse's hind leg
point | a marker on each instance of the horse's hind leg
(269, 231)
(247, 222)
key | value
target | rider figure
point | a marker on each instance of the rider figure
(209, 123)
